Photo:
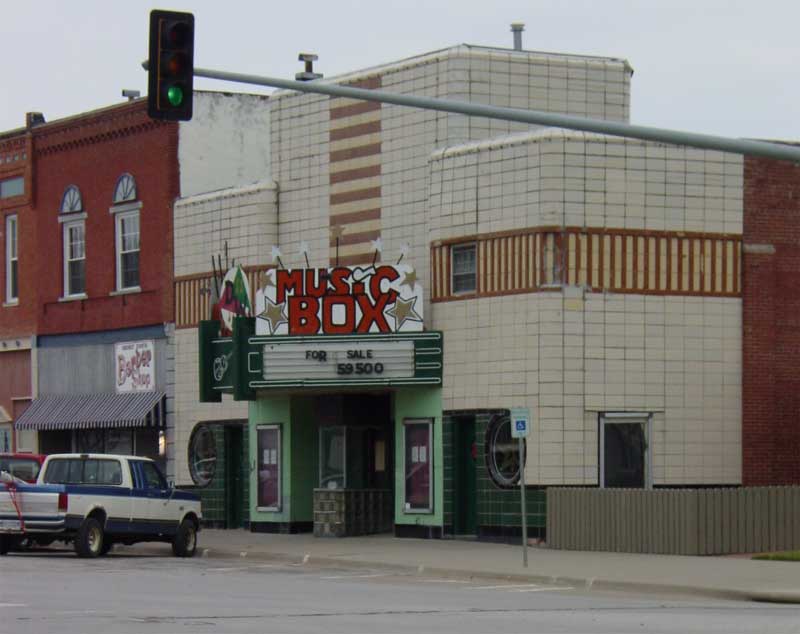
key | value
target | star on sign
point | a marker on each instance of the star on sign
(377, 245)
(273, 314)
(276, 253)
(303, 247)
(266, 279)
(336, 232)
(410, 279)
(402, 311)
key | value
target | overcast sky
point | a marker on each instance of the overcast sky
(725, 67)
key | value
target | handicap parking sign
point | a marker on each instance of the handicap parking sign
(520, 422)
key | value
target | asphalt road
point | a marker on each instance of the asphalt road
(123, 593)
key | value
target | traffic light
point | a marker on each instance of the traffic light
(171, 65)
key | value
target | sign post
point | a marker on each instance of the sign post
(520, 426)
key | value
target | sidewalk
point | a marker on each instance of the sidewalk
(720, 577)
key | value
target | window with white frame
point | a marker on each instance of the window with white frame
(72, 219)
(465, 268)
(74, 258)
(127, 250)
(125, 209)
(12, 260)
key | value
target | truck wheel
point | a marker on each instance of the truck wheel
(107, 546)
(89, 539)
(184, 544)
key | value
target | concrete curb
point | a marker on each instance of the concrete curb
(585, 583)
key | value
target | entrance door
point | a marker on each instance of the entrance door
(465, 478)
(624, 451)
(234, 494)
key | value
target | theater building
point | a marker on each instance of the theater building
(594, 280)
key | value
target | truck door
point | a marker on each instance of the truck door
(151, 497)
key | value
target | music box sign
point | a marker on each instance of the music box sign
(339, 301)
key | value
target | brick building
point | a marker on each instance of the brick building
(17, 315)
(96, 264)
(771, 323)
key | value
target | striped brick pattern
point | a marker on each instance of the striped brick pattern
(193, 296)
(601, 260)
(355, 176)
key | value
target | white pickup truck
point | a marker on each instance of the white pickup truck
(95, 501)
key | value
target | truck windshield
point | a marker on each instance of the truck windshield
(83, 471)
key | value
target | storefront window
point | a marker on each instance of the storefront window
(332, 458)
(418, 461)
(5, 438)
(502, 452)
(269, 467)
(90, 441)
(202, 455)
(119, 441)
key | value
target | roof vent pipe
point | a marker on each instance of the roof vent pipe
(517, 28)
(308, 74)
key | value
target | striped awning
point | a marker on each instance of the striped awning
(85, 411)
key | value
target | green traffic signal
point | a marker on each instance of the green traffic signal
(170, 65)
(175, 95)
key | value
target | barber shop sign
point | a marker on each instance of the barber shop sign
(339, 301)
(135, 366)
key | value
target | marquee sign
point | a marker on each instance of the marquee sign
(338, 360)
(339, 301)
(246, 362)
(319, 361)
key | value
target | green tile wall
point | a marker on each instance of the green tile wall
(501, 507)
(449, 457)
(213, 496)
(498, 509)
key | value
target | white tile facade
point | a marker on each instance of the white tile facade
(571, 354)
(245, 218)
(567, 354)
(300, 126)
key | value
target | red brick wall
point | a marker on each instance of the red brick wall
(20, 319)
(15, 378)
(91, 152)
(771, 324)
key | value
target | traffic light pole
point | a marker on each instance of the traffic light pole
(673, 137)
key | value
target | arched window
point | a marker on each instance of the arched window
(71, 201)
(125, 208)
(125, 190)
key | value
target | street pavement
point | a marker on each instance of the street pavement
(736, 577)
(51, 590)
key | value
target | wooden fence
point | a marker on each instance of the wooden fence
(674, 521)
